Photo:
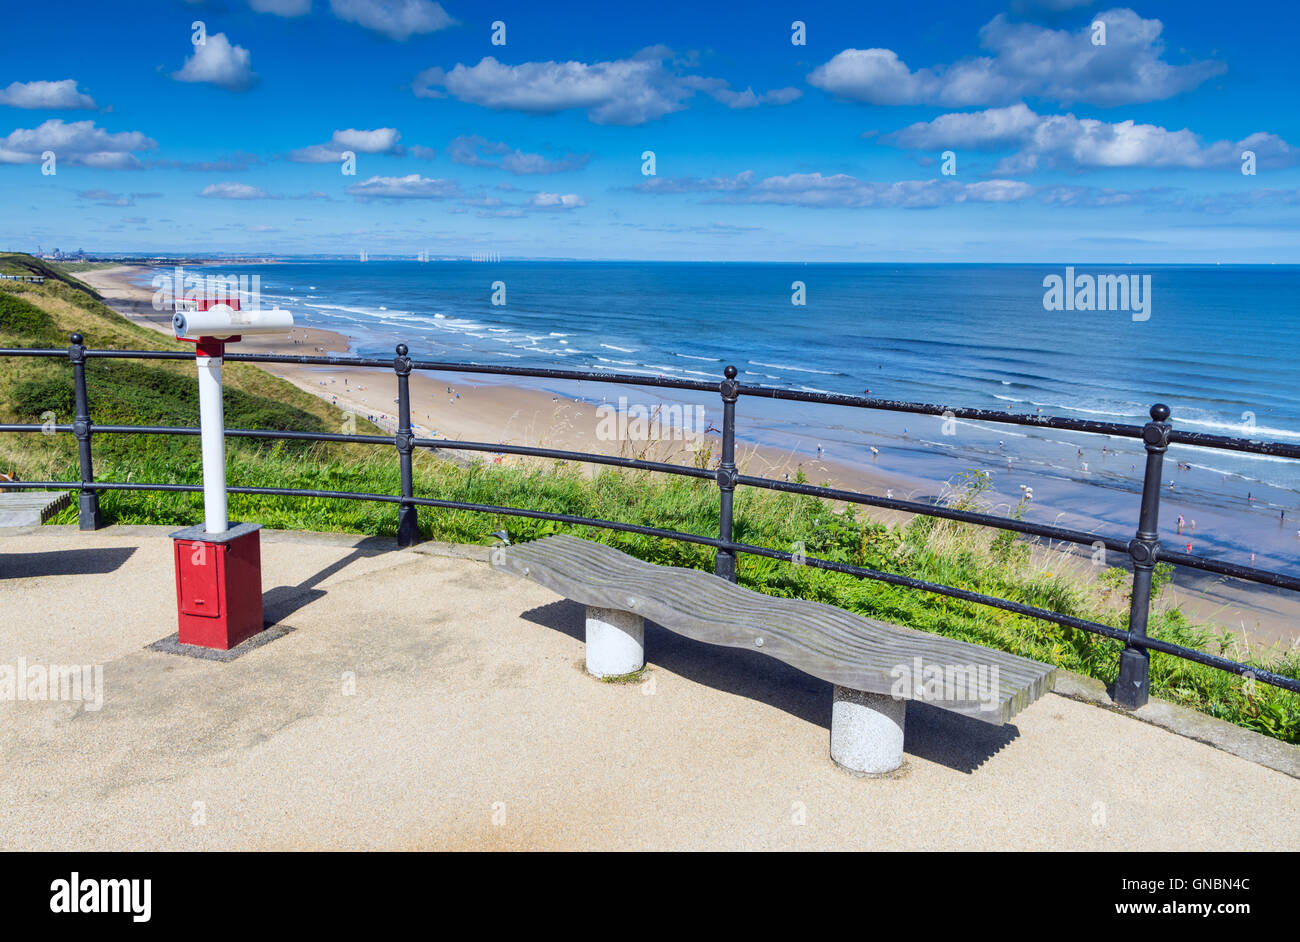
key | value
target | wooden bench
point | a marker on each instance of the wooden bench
(22, 508)
(875, 667)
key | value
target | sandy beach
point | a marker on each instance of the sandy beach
(463, 407)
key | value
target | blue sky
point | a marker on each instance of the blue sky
(1065, 149)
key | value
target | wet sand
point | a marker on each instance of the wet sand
(466, 408)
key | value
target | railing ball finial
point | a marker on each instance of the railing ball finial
(729, 372)
(401, 349)
(1160, 412)
(77, 339)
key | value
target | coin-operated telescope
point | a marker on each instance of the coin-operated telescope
(197, 320)
(218, 565)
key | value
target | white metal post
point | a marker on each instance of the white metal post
(212, 425)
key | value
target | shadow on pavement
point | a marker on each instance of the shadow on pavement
(282, 601)
(71, 562)
(933, 734)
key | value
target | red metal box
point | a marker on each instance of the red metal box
(218, 585)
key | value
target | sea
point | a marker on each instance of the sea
(1219, 344)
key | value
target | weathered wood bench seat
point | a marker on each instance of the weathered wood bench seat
(30, 508)
(875, 667)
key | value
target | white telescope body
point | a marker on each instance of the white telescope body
(222, 320)
(219, 322)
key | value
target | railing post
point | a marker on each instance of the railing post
(1132, 684)
(724, 561)
(408, 527)
(88, 516)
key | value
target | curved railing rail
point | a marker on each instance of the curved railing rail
(1131, 687)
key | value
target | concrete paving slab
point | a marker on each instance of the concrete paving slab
(424, 701)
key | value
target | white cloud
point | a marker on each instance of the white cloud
(234, 191)
(1097, 197)
(624, 91)
(396, 19)
(219, 63)
(1220, 203)
(281, 7)
(721, 92)
(105, 198)
(1050, 141)
(476, 151)
(1026, 60)
(51, 95)
(980, 130)
(740, 181)
(995, 191)
(412, 186)
(627, 91)
(78, 142)
(843, 191)
(376, 141)
(316, 154)
(557, 201)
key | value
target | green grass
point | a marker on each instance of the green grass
(925, 548)
(19, 316)
(70, 267)
(19, 263)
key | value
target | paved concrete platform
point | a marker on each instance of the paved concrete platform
(424, 701)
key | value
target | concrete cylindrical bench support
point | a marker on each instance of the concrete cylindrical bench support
(615, 642)
(866, 731)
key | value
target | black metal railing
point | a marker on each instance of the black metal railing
(1131, 689)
